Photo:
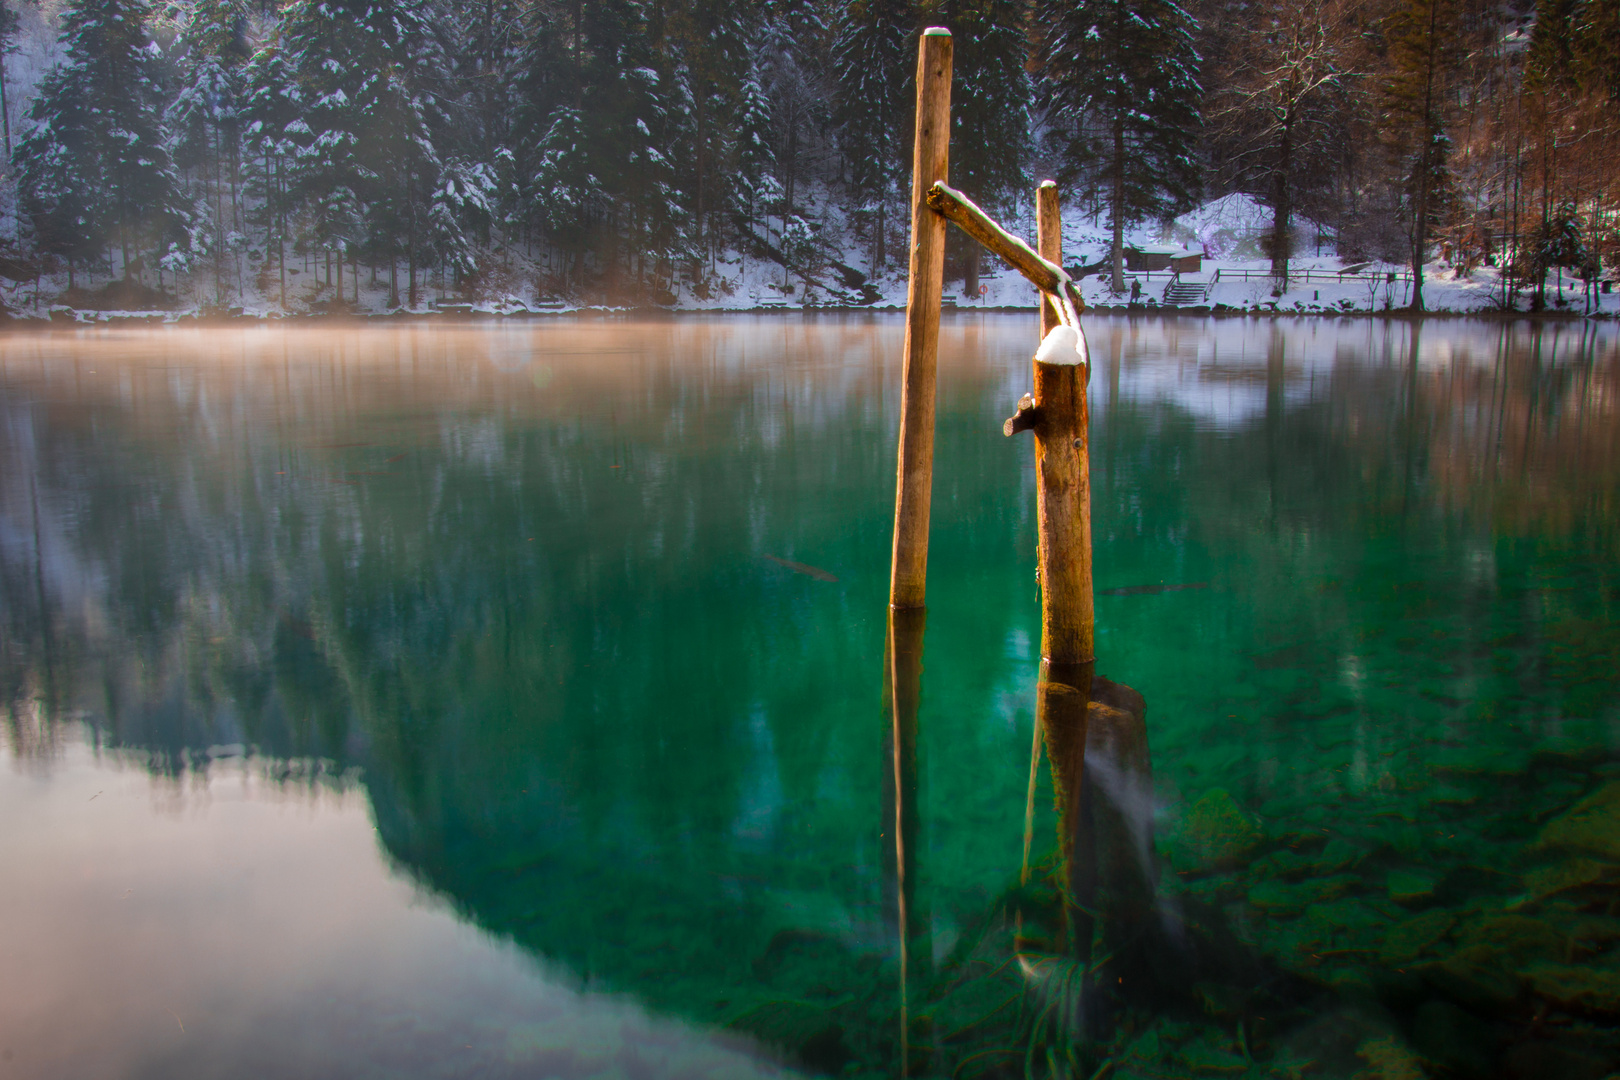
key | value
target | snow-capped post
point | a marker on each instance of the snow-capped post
(908, 568)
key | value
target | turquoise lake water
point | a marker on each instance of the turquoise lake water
(506, 700)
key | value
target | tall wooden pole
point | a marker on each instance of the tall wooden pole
(1049, 242)
(908, 569)
(1062, 426)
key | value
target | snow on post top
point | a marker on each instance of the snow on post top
(1061, 345)
(936, 31)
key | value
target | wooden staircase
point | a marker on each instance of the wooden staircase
(1183, 293)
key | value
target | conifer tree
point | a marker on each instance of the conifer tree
(272, 105)
(1423, 44)
(94, 169)
(58, 182)
(874, 63)
(365, 159)
(9, 26)
(706, 44)
(598, 177)
(204, 122)
(791, 60)
(1122, 77)
(990, 116)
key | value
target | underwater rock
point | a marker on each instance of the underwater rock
(1453, 1039)
(1206, 1060)
(1339, 854)
(1216, 833)
(1591, 825)
(1570, 874)
(1410, 886)
(1388, 1059)
(1589, 934)
(803, 962)
(1409, 940)
(1514, 940)
(1580, 989)
(1283, 864)
(1544, 1060)
(1279, 897)
(1474, 978)
(808, 1033)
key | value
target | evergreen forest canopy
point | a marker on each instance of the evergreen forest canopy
(637, 151)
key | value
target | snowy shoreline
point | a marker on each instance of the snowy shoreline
(62, 318)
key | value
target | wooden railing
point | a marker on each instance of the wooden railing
(1320, 277)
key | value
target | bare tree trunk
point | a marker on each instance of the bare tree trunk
(410, 237)
(1426, 162)
(1282, 207)
(1116, 283)
(5, 110)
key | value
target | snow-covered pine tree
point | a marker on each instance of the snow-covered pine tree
(204, 125)
(486, 53)
(58, 182)
(365, 163)
(874, 63)
(755, 186)
(271, 106)
(598, 177)
(1121, 77)
(94, 170)
(9, 26)
(707, 43)
(990, 99)
(793, 59)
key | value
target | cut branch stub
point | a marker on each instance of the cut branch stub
(1025, 419)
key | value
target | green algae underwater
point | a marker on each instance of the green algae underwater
(593, 615)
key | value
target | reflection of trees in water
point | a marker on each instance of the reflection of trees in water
(1405, 558)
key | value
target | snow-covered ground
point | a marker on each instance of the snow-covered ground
(1234, 277)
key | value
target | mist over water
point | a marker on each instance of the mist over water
(515, 691)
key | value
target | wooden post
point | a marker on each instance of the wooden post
(1049, 243)
(1059, 416)
(908, 569)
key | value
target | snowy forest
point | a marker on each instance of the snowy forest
(334, 155)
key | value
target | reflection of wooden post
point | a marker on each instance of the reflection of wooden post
(909, 566)
(1061, 700)
(902, 697)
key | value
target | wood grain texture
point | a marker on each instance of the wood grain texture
(1063, 511)
(1049, 277)
(1049, 244)
(908, 568)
